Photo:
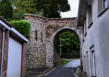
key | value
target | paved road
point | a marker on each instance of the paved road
(67, 70)
(62, 72)
(74, 63)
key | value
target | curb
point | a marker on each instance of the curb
(47, 72)
(77, 72)
(80, 73)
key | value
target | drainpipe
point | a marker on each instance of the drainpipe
(2, 56)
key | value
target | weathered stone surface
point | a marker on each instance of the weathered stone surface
(41, 50)
(36, 56)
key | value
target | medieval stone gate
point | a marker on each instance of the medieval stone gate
(42, 33)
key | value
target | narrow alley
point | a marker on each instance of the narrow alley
(68, 70)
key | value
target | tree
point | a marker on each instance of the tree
(18, 16)
(52, 8)
(70, 44)
(24, 6)
(46, 8)
(6, 9)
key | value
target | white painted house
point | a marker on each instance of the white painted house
(93, 21)
(12, 51)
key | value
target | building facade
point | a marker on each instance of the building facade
(12, 51)
(93, 21)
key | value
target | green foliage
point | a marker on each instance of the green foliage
(6, 9)
(24, 6)
(18, 16)
(65, 61)
(22, 26)
(70, 44)
(52, 8)
(46, 8)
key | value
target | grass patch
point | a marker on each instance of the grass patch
(65, 61)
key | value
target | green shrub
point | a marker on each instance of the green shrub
(22, 26)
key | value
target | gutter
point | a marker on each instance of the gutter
(18, 34)
(8, 26)
(5, 25)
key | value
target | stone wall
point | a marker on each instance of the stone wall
(53, 27)
(41, 51)
(36, 52)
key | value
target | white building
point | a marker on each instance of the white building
(93, 20)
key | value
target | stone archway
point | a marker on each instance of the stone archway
(42, 32)
(50, 44)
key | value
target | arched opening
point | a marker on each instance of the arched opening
(66, 44)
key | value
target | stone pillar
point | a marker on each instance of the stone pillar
(50, 53)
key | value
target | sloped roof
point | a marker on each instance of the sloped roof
(4, 23)
(8, 26)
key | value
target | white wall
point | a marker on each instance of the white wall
(97, 35)
(14, 58)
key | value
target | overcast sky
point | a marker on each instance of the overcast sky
(73, 11)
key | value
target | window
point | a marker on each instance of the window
(41, 37)
(36, 35)
(87, 62)
(93, 71)
(93, 61)
(85, 29)
(84, 64)
(89, 15)
(104, 4)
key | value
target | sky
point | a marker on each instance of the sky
(73, 11)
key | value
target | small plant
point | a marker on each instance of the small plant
(65, 61)
(22, 26)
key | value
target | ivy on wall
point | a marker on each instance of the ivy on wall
(22, 26)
